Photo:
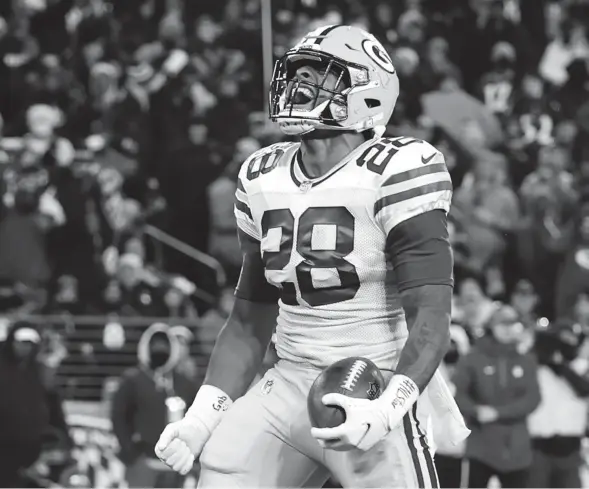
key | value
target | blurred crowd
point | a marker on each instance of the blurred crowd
(118, 116)
(115, 115)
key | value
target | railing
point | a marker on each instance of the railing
(90, 365)
(186, 249)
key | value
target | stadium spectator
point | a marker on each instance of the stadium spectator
(472, 307)
(573, 276)
(497, 86)
(548, 206)
(176, 298)
(487, 209)
(525, 302)
(559, 423)
(496, 389)
(149, 396)
(30, 411)
(138, 288)
(569, 44)
(66, 296)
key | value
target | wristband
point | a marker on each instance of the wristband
(401, 393)
(209, 406)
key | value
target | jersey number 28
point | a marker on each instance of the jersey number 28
(343, 222)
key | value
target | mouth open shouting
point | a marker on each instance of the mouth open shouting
(303, 97)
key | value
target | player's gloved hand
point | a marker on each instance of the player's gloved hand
(368, 422)
(182, 441)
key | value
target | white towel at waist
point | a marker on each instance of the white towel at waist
(437, 403)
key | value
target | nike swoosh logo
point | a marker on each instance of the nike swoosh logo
(425, 161)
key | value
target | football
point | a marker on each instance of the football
(354, 377)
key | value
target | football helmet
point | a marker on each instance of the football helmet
(356, 90)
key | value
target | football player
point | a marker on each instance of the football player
(346, 253)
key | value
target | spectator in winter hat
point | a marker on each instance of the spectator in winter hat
(149, 396)
(24, 410)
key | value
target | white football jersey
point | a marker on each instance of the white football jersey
(323, 241)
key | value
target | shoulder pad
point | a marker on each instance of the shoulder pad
(264, 161)
(389, 156)
(415, 180)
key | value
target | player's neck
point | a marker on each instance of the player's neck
(319, 155)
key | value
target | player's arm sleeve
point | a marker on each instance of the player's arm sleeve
(420, 252)
(252, 285)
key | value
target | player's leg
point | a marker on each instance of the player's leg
(402, 459)
(250, 447)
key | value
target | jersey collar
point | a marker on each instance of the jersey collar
(304, 182)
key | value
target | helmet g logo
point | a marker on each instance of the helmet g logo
(377, 54)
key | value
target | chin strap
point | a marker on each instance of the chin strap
(296, 128)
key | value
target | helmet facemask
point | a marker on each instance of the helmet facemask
(300, 105)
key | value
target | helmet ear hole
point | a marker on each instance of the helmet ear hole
(372, 103)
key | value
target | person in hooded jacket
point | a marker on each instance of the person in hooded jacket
(149, 396)
(24, 405)
(497, 389)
